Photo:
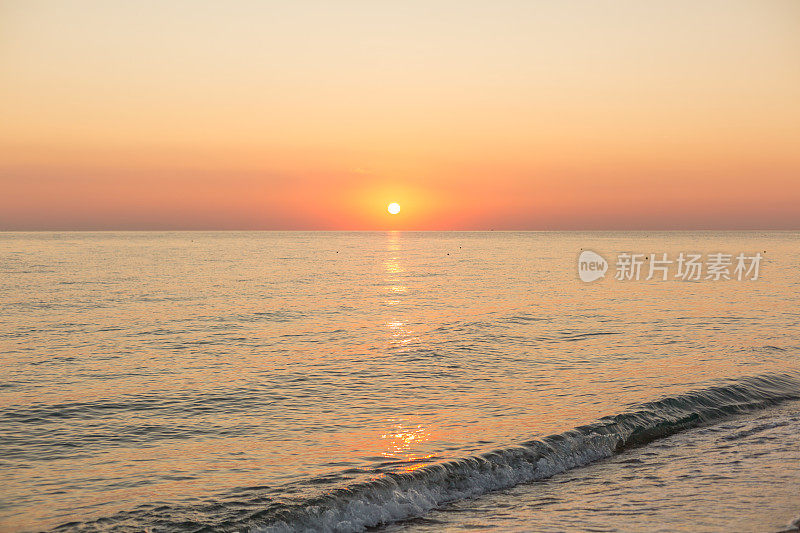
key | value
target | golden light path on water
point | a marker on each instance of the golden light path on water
(403, 438)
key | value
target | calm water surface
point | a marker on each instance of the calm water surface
(413, 381)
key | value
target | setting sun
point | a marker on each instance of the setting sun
(393, 208)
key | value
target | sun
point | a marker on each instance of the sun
(393, 208)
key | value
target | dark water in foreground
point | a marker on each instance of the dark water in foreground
(412, 381)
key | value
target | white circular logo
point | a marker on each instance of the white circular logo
(591, 266)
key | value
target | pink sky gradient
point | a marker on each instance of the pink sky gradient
(312, 115)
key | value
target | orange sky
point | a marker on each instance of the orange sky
(472, 115)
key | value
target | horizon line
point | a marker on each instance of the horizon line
(552, 230)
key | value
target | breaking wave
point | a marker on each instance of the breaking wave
(400, 496)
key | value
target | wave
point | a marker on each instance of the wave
(400, 496)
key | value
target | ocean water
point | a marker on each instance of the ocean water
(271, 381)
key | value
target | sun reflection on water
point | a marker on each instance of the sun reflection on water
(392, 266)
(403, 442)
(394, 289)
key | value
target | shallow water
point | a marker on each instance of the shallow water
(181, 381)
(738, 475)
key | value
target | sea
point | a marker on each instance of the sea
(399, 382)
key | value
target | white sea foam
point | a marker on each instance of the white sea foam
(397, 497)
(403, 496)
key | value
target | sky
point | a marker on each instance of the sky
(505, 115)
